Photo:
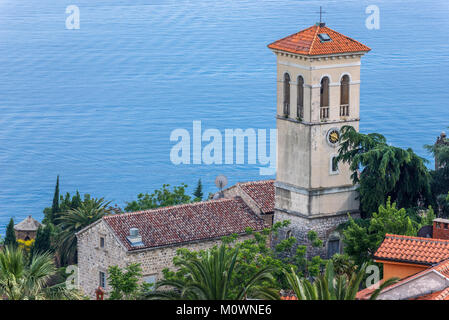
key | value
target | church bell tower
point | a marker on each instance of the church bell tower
(318, 89)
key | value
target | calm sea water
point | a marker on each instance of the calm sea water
(97, 105)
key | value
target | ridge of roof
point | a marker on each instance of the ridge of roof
(314, 38)
(182, 205)
(415, 238)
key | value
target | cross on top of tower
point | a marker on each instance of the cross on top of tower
(322, 24)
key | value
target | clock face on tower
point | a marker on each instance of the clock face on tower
(333, 137)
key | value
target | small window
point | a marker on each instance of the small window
(101, 242)
(102, 280)
(286, 95)
(334, 165)
(288, 235)
(333, 247)
(445, 226)
(150, 280)
(300, 97)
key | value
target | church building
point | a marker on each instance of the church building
(318, 84)
(318, 92)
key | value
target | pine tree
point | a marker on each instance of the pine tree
(198, 191)
(55, 205)
(10, 238)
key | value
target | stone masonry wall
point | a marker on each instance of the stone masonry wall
(92, 259)
(299, 228)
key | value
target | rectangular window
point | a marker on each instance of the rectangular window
(102, 282)
(101, 242)
(334, 165)
(333, 247)
(151, 279)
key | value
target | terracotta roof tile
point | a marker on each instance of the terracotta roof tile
(262, 192)
(293, 297)
(307, 42)
(438, 295)
(416, 250)
(184, 223)
(442, 267)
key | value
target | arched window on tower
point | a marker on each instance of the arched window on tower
(344, 96)
(300, 98)
(324, 98)
(286, 94)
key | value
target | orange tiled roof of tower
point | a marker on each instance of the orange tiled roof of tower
(308, 42)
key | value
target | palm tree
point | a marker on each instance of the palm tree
(19, 281)
(331, 287)
(73, 221)
(210, 277)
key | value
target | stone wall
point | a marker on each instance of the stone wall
(325, 227)
(92, 259)
(24, 234)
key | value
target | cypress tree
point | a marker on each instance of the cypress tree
(76, 200)
(10, 238)
(42, 242)
(198, 191)
(55, 205)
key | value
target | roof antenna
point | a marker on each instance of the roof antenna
(221, 181)
(321, 23)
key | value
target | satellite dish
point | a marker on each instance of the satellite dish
(221, 181)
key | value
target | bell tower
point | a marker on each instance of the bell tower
(318, 90)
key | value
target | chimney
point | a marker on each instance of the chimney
(134, 232)
(440, 229)
(134, 238)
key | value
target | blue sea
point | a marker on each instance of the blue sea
(97, 105)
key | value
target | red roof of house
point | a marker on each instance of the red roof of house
(185, 223)
(293, 297)
(417, 250)
(262, 192)
(442, 267)
(307, 42)
(438, 295)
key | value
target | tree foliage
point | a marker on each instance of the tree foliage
(42, 242)
(255, 254)
(382, 170)
(331, 286)
(72, 221)
(10, 237)
(159, 198)
(363, 237)
(22, 281)
(125, 283)
(198, 193)
(61, 204)
(440, 151)
(211, 276)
